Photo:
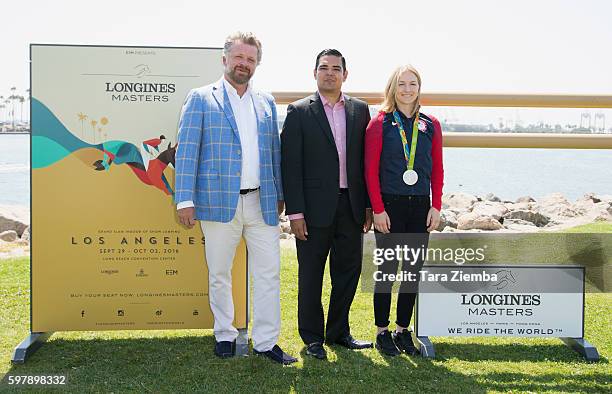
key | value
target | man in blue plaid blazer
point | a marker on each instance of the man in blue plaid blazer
(228, 177)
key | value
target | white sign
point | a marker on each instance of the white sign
(519, 309)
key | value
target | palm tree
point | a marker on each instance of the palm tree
(28, 98)
(21, 101)
(6, 105)
(93, 126)
(82, 118)
(8, 113)
(103, 122)
(13, 98)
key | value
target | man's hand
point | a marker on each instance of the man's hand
(382, 222)
(186, 216)
(280, 204)
(368, 220)
(298, 227)
(433, 219)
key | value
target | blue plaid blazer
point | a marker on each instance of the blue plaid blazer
(208, 160)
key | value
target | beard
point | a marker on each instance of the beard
(240, 79)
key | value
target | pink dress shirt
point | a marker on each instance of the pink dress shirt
(336, 117)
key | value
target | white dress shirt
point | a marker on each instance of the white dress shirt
(246, 121)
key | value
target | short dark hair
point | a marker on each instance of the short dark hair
(331, 52)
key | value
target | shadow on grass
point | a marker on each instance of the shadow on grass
(403, 373)
(507, 381)
(509, 352)
(187, 363)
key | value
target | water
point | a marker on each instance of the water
(15, 169)
(512, 173)
(508, 173)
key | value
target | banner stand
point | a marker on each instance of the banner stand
(526, 299)
(242, 342)
(424, 345)
(102, 147)
(579, 345)
(29, 346)
(582, 346)
(35, 340)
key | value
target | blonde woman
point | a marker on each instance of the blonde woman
(404, 176)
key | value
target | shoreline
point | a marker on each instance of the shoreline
(461, 213)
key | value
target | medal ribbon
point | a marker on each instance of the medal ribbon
(408, 154)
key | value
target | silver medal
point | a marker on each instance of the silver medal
(410, 177)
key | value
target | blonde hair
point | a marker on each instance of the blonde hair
(244, 37)
(389, 103)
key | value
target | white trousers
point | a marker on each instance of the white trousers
(263, 254)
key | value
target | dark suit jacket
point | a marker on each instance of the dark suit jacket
(310, 165)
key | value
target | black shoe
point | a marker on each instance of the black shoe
(276, 354)
(385, 344)
(316, 350)
(351, 343)
(225, 349)
(404, 343)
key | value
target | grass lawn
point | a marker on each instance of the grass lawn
(182, 360)
(596, 227)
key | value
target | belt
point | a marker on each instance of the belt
(405, 197)
(342, 190)
(246, 191)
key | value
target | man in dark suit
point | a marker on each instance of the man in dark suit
(325, 196)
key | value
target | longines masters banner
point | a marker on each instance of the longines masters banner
(107, 250)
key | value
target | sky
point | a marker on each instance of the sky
(521, 46)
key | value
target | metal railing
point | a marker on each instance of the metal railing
(494, 139)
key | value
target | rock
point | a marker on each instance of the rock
(534, 217)
(488, 208)
(15, 218)
(26, 235)
(592, 209)
(458, 200)
(520, 205)
(475, 221)
(566, 212)
(525, 199)
(520, 222)
(447, 219)
(554, 199)
(605, 197)
(556, 205)
(603, 217)
(448, 229)
(601, 211)
(582, 206)
(591, 197)
(492, 197)
(456, 211)
(522, 228)
(9, 236)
